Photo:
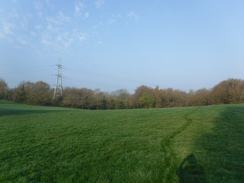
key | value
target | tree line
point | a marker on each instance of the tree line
(40, 93)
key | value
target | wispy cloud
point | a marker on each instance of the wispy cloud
(23, 40)
(49, 4)
(13, 13)
(42, 6)
(86, 15)
(15, 27)
(62, 39)
(78, 8)
(39, 9)
(59, 19)
(6, 30)
(82, 37)
(55, 31)
(133, 15)
(24, 23)
(113, 19)
(46, 39)
(99, 3)
(40, 28)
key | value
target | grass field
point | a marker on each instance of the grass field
(186, 144)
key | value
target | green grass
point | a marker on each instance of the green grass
(45, 144)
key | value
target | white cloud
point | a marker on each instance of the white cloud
(24, 23)
(41, 6)
(49, 4)
(87, 15)
(78, 8)
(6, 30)
(52, 28)
(22, 41)
(62, 40)
(99, 3)
(46, 39)
(66, 39)
(39, 9)
(82, 36)
(38, 27)
(14, 13)
(113, 19)
(15, 27)
(54, 31)
(59, 19)
(55, 23)
(133, 15)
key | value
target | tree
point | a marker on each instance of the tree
(71, 97)
(158, 97)
(120, 99)
(28, 89)
(121, 94)
(228, 91)
(87, 99)
(144, 97)
(79, 98)
(38, 93)
(101, 100)
(20, 93)
(203, 97)
(3, 89)
(41, 93)
(147, 100)
(169, 98)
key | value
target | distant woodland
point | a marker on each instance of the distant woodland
(40, 93)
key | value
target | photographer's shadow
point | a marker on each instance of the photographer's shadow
(190, 171)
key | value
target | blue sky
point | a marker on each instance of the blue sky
(112, 44)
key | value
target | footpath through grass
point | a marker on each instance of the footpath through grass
(44, 144)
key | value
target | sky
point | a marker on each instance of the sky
(122, 44)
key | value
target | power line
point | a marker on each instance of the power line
(25, 69)
(100, 79)
(102, 75)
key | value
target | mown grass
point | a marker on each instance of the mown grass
(45, 144)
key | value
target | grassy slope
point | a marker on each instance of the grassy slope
(41, 144)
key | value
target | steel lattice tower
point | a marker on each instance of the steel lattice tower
(59, 87)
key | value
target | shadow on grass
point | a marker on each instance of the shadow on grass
(16, 112)
(190, 171)
(10, 108)
(223, 149)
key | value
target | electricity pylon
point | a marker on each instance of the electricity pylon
(58, 91)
